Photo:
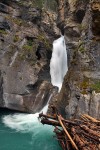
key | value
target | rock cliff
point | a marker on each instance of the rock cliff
(79, 21)
(27, 31)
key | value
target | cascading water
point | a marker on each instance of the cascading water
(58, 64)
(58, 69)
(28, 124)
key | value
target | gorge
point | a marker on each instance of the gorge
(27, 31)
(26, 47)
(29, 123)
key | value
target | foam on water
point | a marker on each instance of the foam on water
(21, 122)
(24, 122)
(25, 132)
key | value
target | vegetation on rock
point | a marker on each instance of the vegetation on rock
(96, 86)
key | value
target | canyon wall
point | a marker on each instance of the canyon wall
(27, 30)
(79, 21)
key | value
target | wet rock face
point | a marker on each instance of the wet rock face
(25, 52)
(32, 102)
(80, 21)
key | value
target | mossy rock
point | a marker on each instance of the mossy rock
(16, 38)
(96, 86)
(28, 52)
(3, 32)
(84, 85)
(46, 42)
(27, 48)
(30, 42)
(87, 84)
(17, 21)
(82, 27)
(81, 47)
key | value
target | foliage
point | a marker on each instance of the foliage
(16, 38)
(87, 84)
(27, 47)
(83, 27)
(30, 42)
(48, 4)
(3, 31)
(40, 3)
(81, 47)
(46, 42)
(84, 85)
(17, 21)
(28, 52)
(96, 86)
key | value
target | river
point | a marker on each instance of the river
(24, 132)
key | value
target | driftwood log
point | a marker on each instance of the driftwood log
(76, 134)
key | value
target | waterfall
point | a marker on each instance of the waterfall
(58, 69)
(58, 63)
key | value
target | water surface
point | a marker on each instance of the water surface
(24, 132)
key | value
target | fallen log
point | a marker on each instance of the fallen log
(91, 118)
(76, 134)
(77, 139)
(50, 122)
(69, 137)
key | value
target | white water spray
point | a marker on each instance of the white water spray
(58, 64)
(25, 122)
